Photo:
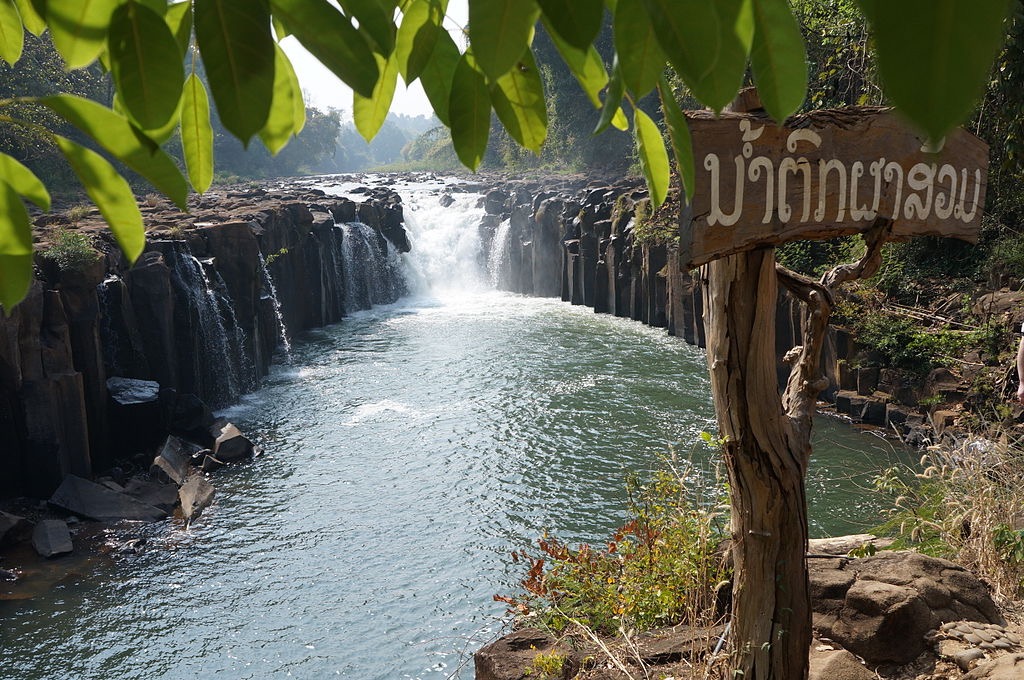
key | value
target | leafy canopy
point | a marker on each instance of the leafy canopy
(934, 56)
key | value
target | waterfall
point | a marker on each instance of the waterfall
(446, 253)
(217, 358)
(370, 267)
(497, 259)
(270, 290)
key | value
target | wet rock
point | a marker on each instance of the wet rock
(88, 499)
(135, 413)
(162, 496)
(192, 418)
(231, 445)
(195, 495)
(51, 538)
(13, 528)
(171, 465)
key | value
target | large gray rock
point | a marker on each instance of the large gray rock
(13, 528)
(836, 664)
(88, 499)
(195, 494)
(882, 607)
(173, 462)
(231, 444)
(157, 494)
(131, 392)
(51, 538)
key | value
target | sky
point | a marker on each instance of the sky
(323, 90)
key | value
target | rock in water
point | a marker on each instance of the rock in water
(231, 445)
(51, 538)
(88, 499)
(13, 528)
(195, 494)
(172, 463)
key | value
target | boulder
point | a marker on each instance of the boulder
(881, 608)
(195, 495)
(162, 496)
(231, 445)
(171, 465)
(1006, 667)
(511, 657)
(13, 528)
(836, 664)
(844, 545)
(51, 538)
(95, 501)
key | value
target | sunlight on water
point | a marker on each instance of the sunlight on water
(409, 450)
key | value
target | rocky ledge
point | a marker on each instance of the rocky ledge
(898, 615)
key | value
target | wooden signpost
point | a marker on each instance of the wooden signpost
(759, 184)
(826, 174)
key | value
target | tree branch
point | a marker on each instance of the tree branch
(805, 378)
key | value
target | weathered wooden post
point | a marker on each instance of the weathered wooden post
(759, 184)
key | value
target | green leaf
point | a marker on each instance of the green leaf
(238, 52)
(30, 17)
(376, 20)
(612, 101)
(158, 6)
(640, 57)
(518, 99)
(500, 31)
(281, 122)
(111, 194)
(15, 229)
(24, 181)
(653, 156)
(586, 65)
(12, 33)
(79, 28)
(146, 64)
(179, 20)
(470, 112)
(15, 276)
(679, 133)
(438, 74)
(934, 55)
(417, 36)
(576, 21)
(330, 37)
(778, 58)
(707, 42)
(196, 134)
(369, 113)
(298, 102)
(15, 247)
(125, 141)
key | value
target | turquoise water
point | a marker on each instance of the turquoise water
(409, 450)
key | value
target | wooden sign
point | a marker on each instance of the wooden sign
(825, 174)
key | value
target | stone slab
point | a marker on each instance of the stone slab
(51, 538)
(95, 501)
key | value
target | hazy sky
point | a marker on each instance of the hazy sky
(323, 90)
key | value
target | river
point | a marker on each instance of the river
(409, 450)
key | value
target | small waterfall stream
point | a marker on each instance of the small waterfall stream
(371, 268)
(270, 292)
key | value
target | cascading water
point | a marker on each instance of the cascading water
(219, 361)
(497, 260)
(446, 248)
(270, 291)
(371, 269)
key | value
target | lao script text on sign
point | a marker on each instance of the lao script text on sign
(825, 174)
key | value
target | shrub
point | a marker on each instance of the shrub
(964, 504)
(661, 568)
(71, 251)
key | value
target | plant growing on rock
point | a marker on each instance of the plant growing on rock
(71, 251)
(659, 569)
(964, 504)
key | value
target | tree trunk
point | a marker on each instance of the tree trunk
(766, 453)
